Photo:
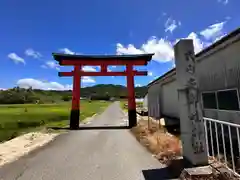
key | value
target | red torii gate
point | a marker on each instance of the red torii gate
(104, 61)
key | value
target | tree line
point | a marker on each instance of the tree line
(19, 95)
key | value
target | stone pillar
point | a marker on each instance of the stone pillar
(191, 118)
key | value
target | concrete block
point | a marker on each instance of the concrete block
(203, 172)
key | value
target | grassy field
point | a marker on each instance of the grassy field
(18, 119)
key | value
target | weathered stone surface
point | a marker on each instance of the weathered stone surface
(190, 109)
(203, 172)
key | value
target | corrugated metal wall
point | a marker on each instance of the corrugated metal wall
(154, 101)
(170, 99)
(220, 71)
(151, 101)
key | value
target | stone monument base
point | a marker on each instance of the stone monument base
(202, 172)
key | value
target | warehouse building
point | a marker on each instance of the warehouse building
(218, 74)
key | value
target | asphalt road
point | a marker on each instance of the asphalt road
(102, 153)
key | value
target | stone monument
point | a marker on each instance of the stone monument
(190, 109)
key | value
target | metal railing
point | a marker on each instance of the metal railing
(223, 139)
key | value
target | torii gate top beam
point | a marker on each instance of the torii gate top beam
(97, 60)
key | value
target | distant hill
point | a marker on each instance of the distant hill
(20, 96)
(112, 90)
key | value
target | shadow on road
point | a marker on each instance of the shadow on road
(92, 128)
(172, 171)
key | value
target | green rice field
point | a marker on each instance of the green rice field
(19, 119)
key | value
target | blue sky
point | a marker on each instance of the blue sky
(31, 30)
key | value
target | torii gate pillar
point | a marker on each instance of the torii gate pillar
(132, 116)
(75, 111)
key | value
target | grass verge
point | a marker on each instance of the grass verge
(18, 119)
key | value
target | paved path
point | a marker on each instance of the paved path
(89, 154)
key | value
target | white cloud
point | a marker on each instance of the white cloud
(89, 69)
(220, 37)
(150, 73)
(223, 1)
(3, 89)
(173, 64)
(66, 51)
(17, 59)
(228, 17)
(87, 79)
(171, 24)
(138, 85)
(213, 31)
(130, 49)
(44, 66)
(51, 65)
(37, 84)
(197, 42)
(111, 68)
(46, 85)
(163, 48)
(30, 52)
